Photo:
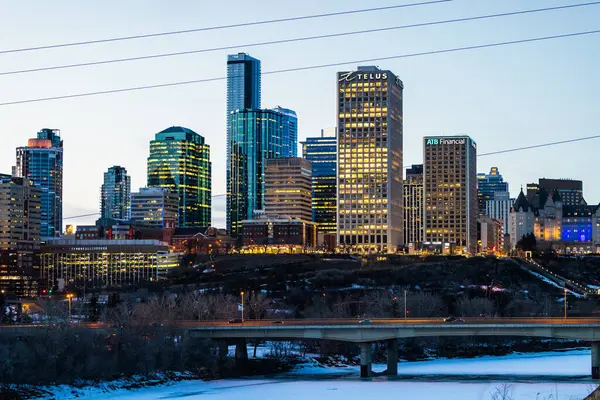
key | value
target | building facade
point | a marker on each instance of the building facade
(290, 131)
(570, 191)
(450, 190)
(491, 235)
(180, 161)
(413, 206)
(105, 263)
(41, 161)
(276, 234)
(256, 135)
(155, 208)
(20, 221)
(370, 172)
(498, 207)
(288, 187)
(487, 185)
(321, 151)
(115, 194)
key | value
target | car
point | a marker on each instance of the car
(364, 321)
(235, 321)
(277, 322)
(453, 319)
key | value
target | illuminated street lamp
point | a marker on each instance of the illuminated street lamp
(242, 293)
(69, 297)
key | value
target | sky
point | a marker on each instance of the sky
(503, 97)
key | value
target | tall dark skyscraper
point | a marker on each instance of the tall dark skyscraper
(41, 161)
(487, 185)
(255, 136)
(321, 151)
(180, 161)
(413, 205)
(115, 194)
(570, 191)
(370, 173)
(450, 190)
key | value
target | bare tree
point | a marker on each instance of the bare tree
(258, 305)
(502, 392)
(475, 307)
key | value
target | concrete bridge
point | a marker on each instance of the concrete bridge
(389, 330)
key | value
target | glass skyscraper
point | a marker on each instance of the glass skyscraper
(290, 131)
(321, 151)
(370, 198)
(115, 194)
(41, 161)
(180, 161)
(487, 185)
(255, 136)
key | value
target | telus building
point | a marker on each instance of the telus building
(450, 190)
(369, 175)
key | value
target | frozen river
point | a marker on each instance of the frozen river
(545, 376)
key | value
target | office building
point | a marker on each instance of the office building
(451, 208)
(180, 161)
(115, 194)
(487, 185)
(413, 206)
(491, 235)
(370, 172)
(105, 263)
(570, 191)
(580, 229)
(532, 189)
(41, 161)
(278, 234)
(243, 90)
(321, 151)
(154, 208)
(20, 205)
(498, 207)
(255, 136)
(290, 131)
(288, 188)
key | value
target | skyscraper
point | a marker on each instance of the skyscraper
(288, 187)
(180, 161)
(115, 194)
(370, 196)
(487, 185)
(321, 151)
(499, 208)
(255, 136)
(20, 203)
(450, 172)
(413, 205)
(154, 207)
(290, 131)
(41, 161)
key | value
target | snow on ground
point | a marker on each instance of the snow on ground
(541, 376)
(551, 282)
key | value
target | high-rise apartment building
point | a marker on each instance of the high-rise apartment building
(115, 194)
(288, 187)
(321, 151)
(180, 161)
(450, 175)
(570, 191)
(20, 205)
(290, 131)
(487, 185)
(256, 135)
(413, 205)
(370, 196)
(41, 161)
(498, 207)
(154, 208)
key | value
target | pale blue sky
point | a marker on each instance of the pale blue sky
(503, 97)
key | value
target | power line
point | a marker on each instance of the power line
(305, 68)
(479, 155)
(539, 145)
(219, 27)
(299, 39)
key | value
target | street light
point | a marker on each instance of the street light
(69, 297)
(405, 305)
(242, 293)
(565, 303)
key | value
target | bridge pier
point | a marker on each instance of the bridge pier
(392, 357)
(365, 360)
(223, 349)
(241, 350)
(595, 360)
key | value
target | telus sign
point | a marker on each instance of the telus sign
(436, 141)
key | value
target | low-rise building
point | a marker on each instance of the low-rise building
(278, 234)
(105, 263)
(491, 235)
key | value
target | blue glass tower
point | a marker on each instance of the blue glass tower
(115, 194)
(321, 152)
(255, 136)
(487, 185)
(41, 161)
(290, 131)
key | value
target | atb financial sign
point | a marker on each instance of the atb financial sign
(444, 142)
